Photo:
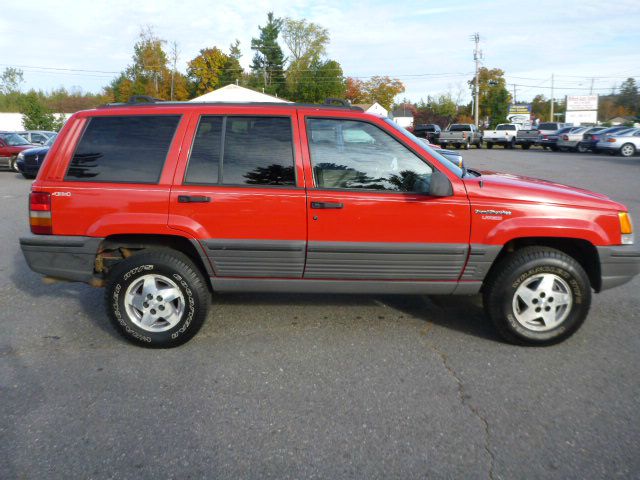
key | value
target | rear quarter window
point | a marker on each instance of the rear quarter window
(123, 149)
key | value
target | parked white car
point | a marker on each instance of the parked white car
(624, 142)
(504, 134)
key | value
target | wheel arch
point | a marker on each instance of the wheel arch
(583, 251)
(116, 248)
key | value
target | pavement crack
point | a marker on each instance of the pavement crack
(464, 401)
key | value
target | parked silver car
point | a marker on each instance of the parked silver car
(624, 142)
(37, 137)
(569, 140)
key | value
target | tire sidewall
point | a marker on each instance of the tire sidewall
(579, 288)
(180, 333)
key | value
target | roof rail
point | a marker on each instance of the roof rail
(331, 102)
(143, 99)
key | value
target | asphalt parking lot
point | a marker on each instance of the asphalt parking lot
(319, 386)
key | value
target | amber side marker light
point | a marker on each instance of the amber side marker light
(40, 213)
(626, 228)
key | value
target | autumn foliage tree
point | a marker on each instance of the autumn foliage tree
(377, 89)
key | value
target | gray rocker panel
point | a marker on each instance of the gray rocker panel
(359, 260)
(256, 258)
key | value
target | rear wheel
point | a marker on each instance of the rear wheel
(537, 296)
(489, 145)
(14, 164)
(467, 145)
(157, 298)
(457, 145)
(582, 148)
(628, 150)
(525, 146)
(28, 176)
(512, 143)
(479, 144)
(554, 148)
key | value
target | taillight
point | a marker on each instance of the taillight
(545, 137)
(40, 213)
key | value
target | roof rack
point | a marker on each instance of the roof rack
(147, 100)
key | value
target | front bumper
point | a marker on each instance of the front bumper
(618, 264)
(65, 257)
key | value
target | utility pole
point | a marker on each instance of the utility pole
(514, 93)
(551, 114)
(591, 87)
(477, 56)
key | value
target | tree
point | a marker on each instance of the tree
(232, 71)
(11, 80)
(382, 90)
(628, 97)
(321, 80)
(35, 116)
(354, 90)
(306, 41)
(494, 96)
(205, 70)
(268, 61)
(149, 61)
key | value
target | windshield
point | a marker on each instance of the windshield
(14, 140)
(564, 130)
(459, 128)
(434, 153)
(49, 142)
(506, 127)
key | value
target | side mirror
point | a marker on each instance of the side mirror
(440, 185)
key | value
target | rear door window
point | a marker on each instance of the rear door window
(241, 150)
(123, 149)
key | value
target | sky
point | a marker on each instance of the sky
(589, 46)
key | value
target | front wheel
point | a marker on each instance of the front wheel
(537, 296)
(479, 144)
(489, 145)
(157, 298)
(582, 148)
(14, 164)
(525, 146)
(467, 145)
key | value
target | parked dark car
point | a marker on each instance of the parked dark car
(591, 139)
(29, 161)
(429, 131)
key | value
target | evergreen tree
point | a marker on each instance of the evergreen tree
(629, 97)
(268, 61)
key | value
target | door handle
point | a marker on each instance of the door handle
(193, 199)
(326, 205)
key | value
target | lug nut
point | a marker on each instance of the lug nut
(145, 305)
(542, 295)
(159, 298)
(538, 310)
(161, 307)
(535, 300)
(149, 296)
(153, 311)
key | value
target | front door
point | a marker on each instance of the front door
(367, 218)
(241, 197)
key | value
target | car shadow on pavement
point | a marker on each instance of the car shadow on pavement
(463, 314)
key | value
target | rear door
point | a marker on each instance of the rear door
(366, 219)
(239, 192)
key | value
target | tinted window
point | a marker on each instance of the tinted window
(460, 128)
(358, 155)
(204, 163)
(506, 127)
(548, 126)
(128, 149)
(258, 151)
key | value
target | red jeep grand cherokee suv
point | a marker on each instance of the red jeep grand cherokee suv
(164, 203)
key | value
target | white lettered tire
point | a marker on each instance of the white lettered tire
(537, 296)
(157, 298)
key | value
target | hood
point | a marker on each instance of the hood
(36, 151)
(527, 189)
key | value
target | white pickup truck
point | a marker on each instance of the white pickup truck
(504, 134)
